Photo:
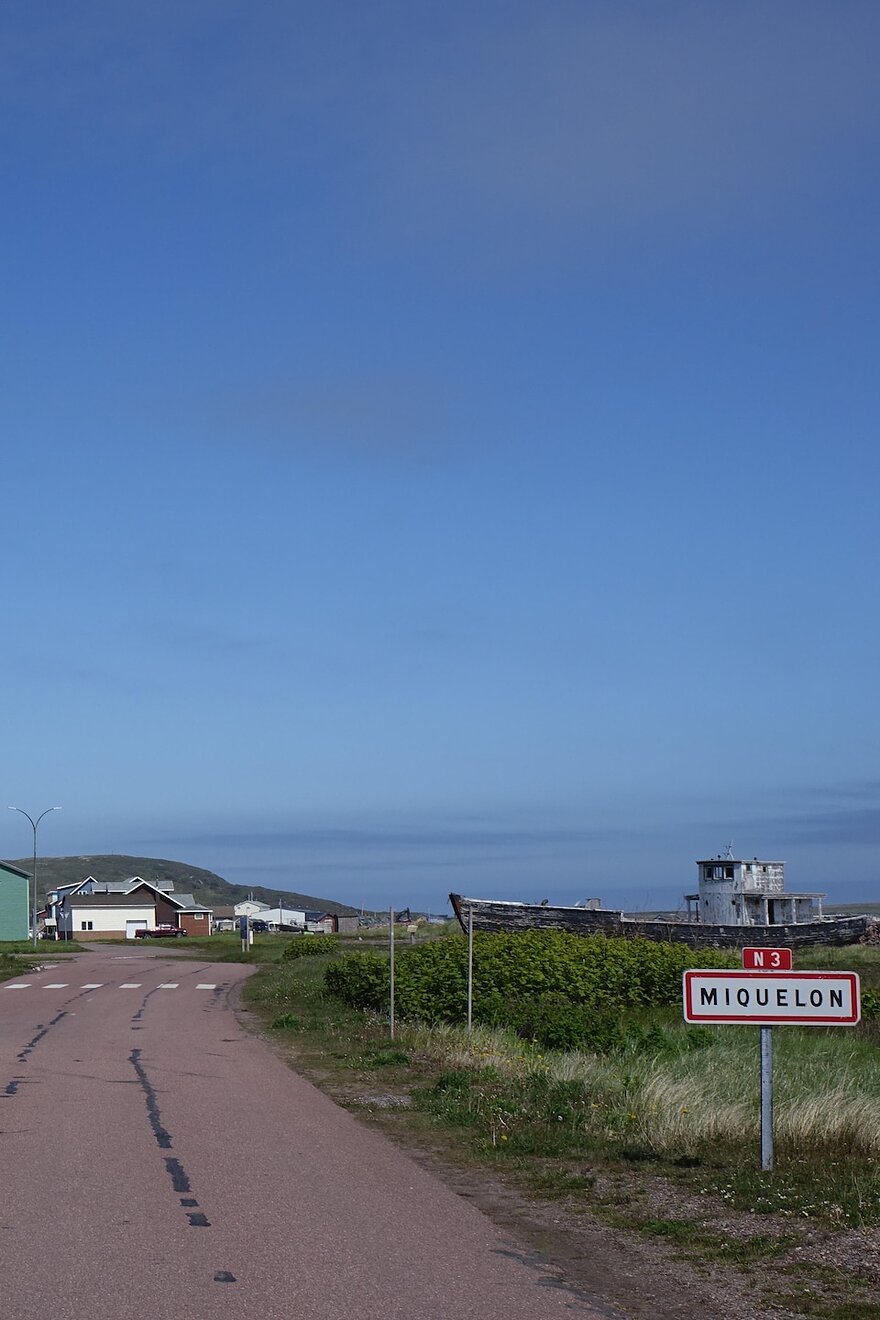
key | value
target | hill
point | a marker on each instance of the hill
(205, 886)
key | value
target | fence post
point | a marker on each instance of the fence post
(470, 974)
(391, 961)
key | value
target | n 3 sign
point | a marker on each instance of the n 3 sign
(767, 960)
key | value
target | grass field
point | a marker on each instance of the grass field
(676, 1109)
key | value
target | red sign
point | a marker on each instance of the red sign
(764, 998)
(767, 960)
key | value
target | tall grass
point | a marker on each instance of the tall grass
(686, 1098)
(827, 1086)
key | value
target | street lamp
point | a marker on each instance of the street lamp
(34, 824)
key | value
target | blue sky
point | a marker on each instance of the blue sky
(440, 441)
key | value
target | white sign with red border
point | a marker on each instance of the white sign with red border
(755, 959)
(803, 999)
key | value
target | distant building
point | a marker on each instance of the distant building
(94, 909)
(251, 907)
(225, 918)
(282, 916)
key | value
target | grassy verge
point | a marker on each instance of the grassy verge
(10, 966)
(674, 1107)
(225, 947)
(45, 950)
(19, 956)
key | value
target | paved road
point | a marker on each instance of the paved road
(158, 1161)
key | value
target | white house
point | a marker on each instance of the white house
(101, 914)
(109, 911)
(250, 907)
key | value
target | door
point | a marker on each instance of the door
(131, 926)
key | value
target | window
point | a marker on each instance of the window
(86, 925)
(199, 916)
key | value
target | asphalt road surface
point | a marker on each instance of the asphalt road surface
(159, 1161)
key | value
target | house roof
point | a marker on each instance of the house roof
(188, 903)
(114, 886)
(128, 898)
(14, 870)
(108, 901)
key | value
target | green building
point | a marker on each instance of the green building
(14, 918)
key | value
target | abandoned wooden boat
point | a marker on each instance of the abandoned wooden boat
(738, 903)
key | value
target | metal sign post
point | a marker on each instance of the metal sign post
(769, 993)
(470, 974)
(391, 968)
(767, 1098)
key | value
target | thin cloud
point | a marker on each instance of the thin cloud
(417, 841)
(552, 119)
(856, 827)
(371, 414)
(628, 116)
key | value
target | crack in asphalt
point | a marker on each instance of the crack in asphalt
(32, 1044)
(176, 1172)
(43, 1029)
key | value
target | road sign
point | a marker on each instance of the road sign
(805, 999)
(767, 960)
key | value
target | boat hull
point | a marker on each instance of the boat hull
(502, 917)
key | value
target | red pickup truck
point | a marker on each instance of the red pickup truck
(158, 933)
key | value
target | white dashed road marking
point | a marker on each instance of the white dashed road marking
(98, 985)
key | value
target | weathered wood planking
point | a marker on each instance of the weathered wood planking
(495, 915)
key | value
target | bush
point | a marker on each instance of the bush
(556, 1023)
(307, 946)
(361, 980)
(549, 977)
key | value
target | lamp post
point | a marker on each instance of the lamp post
(34, 824)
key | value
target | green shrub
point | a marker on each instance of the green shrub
(361, 980)
(556, 974)
(558, 1024)
(307, 946)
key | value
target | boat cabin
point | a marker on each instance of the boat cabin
(733, 892)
